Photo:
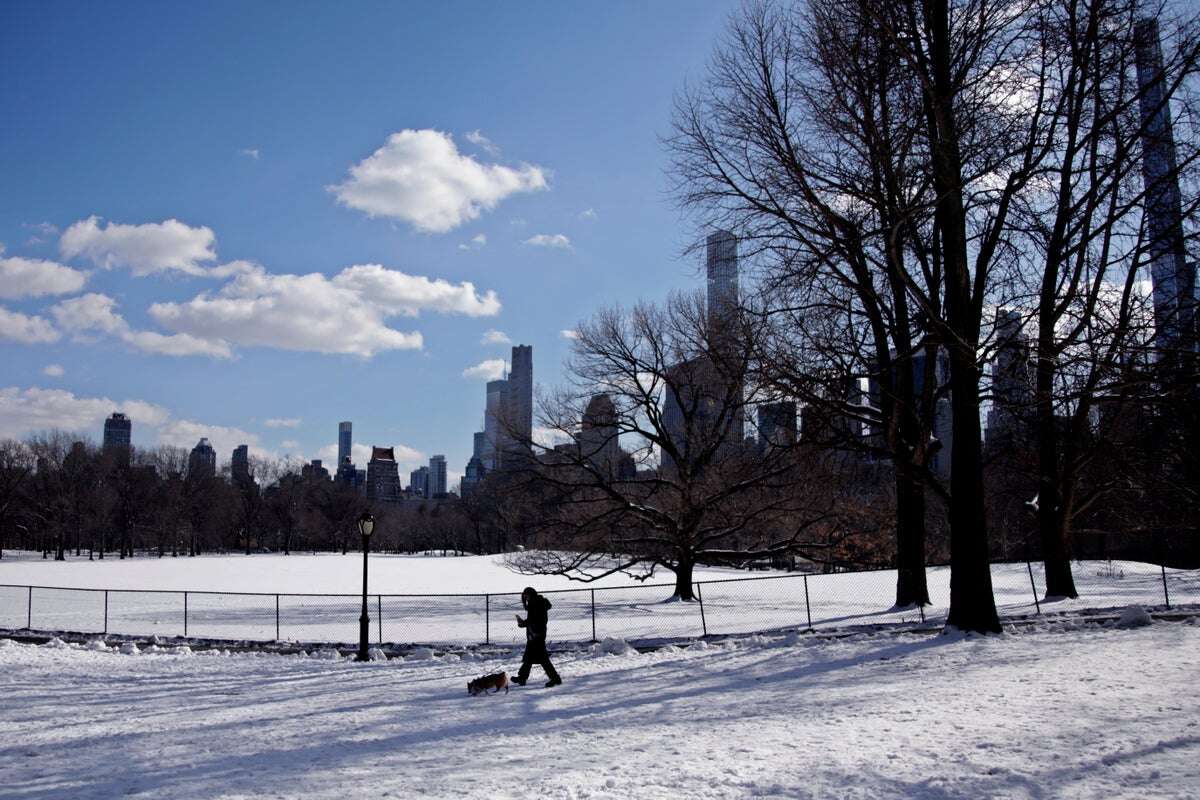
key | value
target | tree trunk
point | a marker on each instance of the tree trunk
(1053, 519)
(972, 603)
(683, 580)
(911, 587)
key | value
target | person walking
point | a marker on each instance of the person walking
(536, 606)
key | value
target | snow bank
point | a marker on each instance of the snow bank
(613, 647)
(1134, 617)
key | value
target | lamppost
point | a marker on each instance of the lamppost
(366, 524)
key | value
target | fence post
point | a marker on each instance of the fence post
(185, 614)
(1033, 586)
(807, 605)
(106, 612)
(487, 619)
(277, 618)
(594, 639)
(29, 611)
(703, 622)
(379, 616)
(1166, 595)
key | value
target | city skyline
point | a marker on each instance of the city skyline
(148, 241)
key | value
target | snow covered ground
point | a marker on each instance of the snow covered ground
(621, 607)
(1063, 710)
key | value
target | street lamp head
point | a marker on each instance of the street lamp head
(366, 523)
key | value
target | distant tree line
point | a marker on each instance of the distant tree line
(60, 495)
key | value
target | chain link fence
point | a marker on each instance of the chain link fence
(635, 613)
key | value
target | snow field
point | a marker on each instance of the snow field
(1066, 710)
(621, 608)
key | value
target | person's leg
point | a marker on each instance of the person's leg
(526, 665)
(551, 672)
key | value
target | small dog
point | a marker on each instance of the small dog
(495, 681)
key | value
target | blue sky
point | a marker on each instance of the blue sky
(438, 171)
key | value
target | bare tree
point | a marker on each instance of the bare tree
(673, 385)
(805, 140)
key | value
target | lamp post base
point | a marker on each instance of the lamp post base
(364, 635)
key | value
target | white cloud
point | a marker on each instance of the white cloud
(495, 337)
(54, 371)
(249, 152)
(420, 177)
(549, 437)
(343, 314)
(589, 213)
(569, 333)
(96, 313)
(17, 327)
(290, 445)
(144, 249)
(490, 370)
(186, 433)
(478, 241)
(35, 277)
(26, 411)
(290, 422)
(557, 241)
(477, 138)
(289, 312)
(396, 292)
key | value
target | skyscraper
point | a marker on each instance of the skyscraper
(598, 436)
(345, 440)
(704, 384)
(1012, 379)
(239, 466)
(1174, 279)
(721, 260)
(118, 434)
(520, 401)
(383, 475)
(202, 462)
(418, 482)
(437, 476)
(776, 425)
(493, 422)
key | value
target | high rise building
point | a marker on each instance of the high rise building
(1012, 378)
(1175, 336)
(418, 482)
(598, 435)
(202, 462)
(721, 261)
(345, 440)
(702, 383)
(519, 410)
(479, 445)
(118, 435)
(437, 476)
(473, 475)
(383, 475)
(315, 471)
(776, 425)
(239, 466)
(493, 422)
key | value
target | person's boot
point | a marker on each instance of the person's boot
(555, 681)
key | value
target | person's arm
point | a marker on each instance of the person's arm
(520, 622)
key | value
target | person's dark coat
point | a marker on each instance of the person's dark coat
(535, 623)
